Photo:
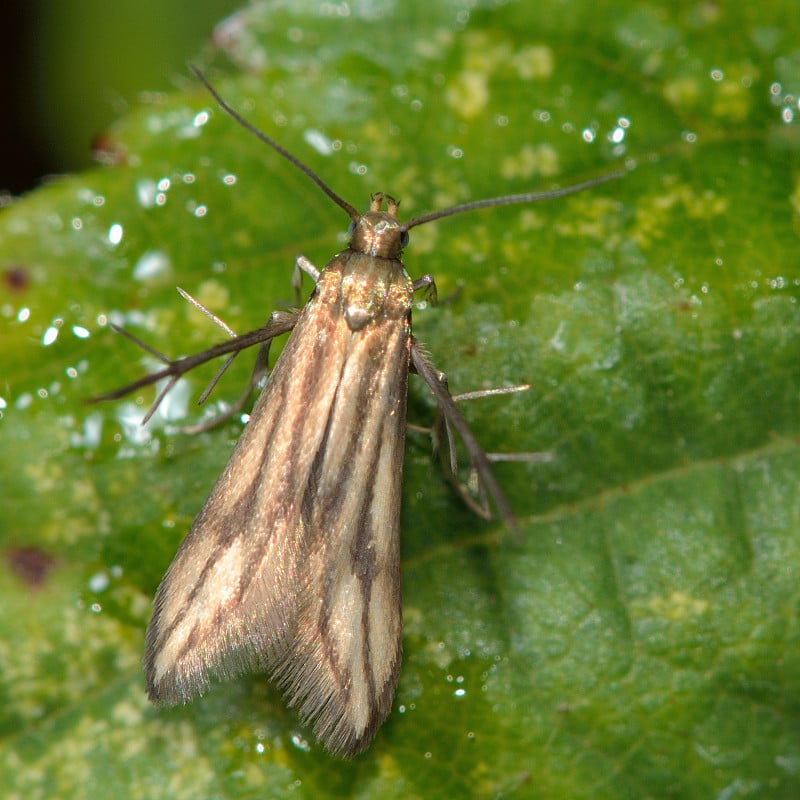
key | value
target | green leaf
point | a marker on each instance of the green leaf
(640, 637)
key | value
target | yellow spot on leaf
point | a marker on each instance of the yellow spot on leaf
(534, 63)
(531, 160)
(678, 605)
(469, 93)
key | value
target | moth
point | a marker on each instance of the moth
(292, 567)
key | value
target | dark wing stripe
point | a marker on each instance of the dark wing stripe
(245, 531)
(322, 671)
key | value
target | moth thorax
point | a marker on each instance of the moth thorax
(377, 233)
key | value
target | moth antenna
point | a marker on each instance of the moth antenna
(511, 199)
(248, 126)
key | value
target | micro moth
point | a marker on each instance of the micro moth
(292, 566)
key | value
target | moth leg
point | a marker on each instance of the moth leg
(437, 383)
(260, 370)
(441, 423)
(442, 426)
(301, 265)
(222, 324)
(257, 371)
(427, 283)
(279, 323)
(168, 372)
(261, 367)
(473, 485)
(210, 314)
(539, 457)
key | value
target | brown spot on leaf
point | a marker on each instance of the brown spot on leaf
(16, 278)
(30, 564)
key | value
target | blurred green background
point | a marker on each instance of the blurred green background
(67, 70)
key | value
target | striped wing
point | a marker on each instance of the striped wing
(292, 565)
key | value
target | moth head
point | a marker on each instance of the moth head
(378, 233)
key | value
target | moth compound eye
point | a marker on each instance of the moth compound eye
(351, 228)
(404, 239)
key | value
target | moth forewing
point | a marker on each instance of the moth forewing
(293, 563)
(227, 601)
(344, 669)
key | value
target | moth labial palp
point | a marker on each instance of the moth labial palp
(292, 565)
